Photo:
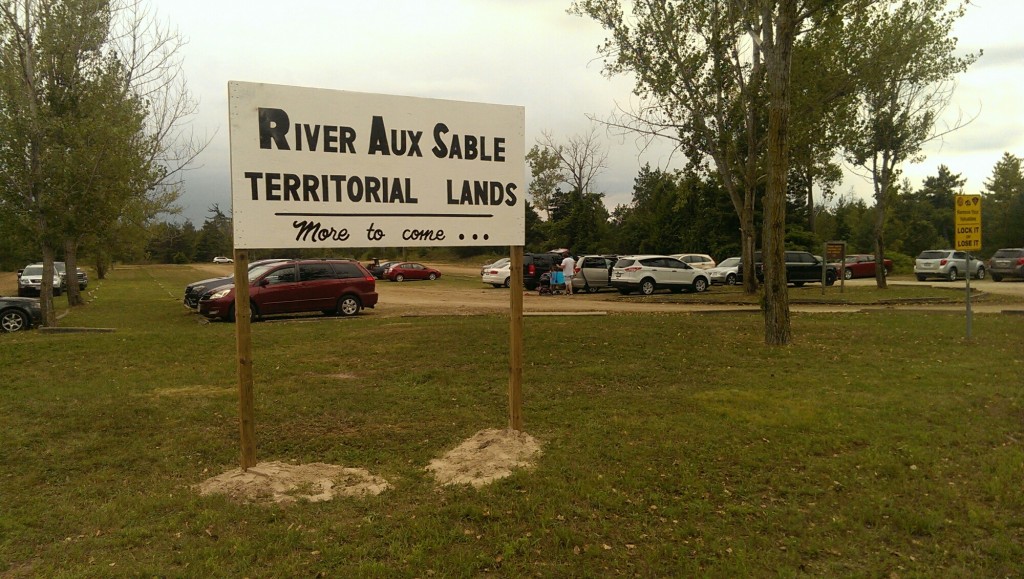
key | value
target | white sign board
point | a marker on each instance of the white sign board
(324, 168)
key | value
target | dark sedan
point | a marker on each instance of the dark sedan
(17, 314)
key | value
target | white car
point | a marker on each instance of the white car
(647, 273)
(30, 282)
(220, 259)
(947, 264)
(697, 260)
(725, 272)
(497, 275)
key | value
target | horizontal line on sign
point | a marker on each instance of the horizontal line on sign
(477, 215)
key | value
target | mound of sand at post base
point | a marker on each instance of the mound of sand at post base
(284, 483)
(486, 457)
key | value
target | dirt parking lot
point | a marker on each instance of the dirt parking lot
(428, 298)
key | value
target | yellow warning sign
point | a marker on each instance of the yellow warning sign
(968, 222)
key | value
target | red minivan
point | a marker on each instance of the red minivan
(331, 286)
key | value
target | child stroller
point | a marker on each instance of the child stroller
(551, 283)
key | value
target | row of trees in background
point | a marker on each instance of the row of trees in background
(675, 212)
(92, 110)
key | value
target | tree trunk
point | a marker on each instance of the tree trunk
(748, 241)
(46, 288)
(881, 192)
(71, 271)
(778, 59)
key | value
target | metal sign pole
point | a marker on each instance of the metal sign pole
(969, 316)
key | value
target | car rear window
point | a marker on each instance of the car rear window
(932, 254)
(623, 263)
(1005, 253)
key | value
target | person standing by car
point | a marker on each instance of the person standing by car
(568, 271)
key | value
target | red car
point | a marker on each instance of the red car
(408, 270)
(329, 285)
(863, 265)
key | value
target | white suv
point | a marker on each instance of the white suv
(947, 264)
(646, 273)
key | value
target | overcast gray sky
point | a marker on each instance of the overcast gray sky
(518, 52)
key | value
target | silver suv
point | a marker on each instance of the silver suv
(947, 264)
(647, 273)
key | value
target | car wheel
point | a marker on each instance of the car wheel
(647, 286)
(399, 278)
(13, 321)
(508, 281)
(830, 278)
(981, 273)
(730, 279)
(432, 276)
(348, 306)
(997, 277)
(952, 274)
(590, 289)
(920, 277)
(848, 274)
(700, 284)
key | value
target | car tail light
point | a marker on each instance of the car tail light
(943, 262)
(1020, 261)
(369, 277)
(531, 270)
(634, 268)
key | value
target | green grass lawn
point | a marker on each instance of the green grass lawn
(878, 444)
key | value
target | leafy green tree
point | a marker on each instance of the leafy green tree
(546, 173)
(215, 238)
(908, 63)
(1003, 205)
(700, 84)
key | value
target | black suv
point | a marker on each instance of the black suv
(536, 265)
(801, 267)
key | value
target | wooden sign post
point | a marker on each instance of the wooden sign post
(515, 339)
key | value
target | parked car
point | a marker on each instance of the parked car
(802, 267)
(503, 262)
(861, 265)
(593, 273)
(220, 259)
(697, 260)
(61, 267)
(1007, 263)
(195, 290)
(947, 264)
(332, 286)
(497, 274)
(407, 270)
(19, 314)
(648, 273)
(31, 280)
(377, 267)
(536, 265)
(725, 272)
